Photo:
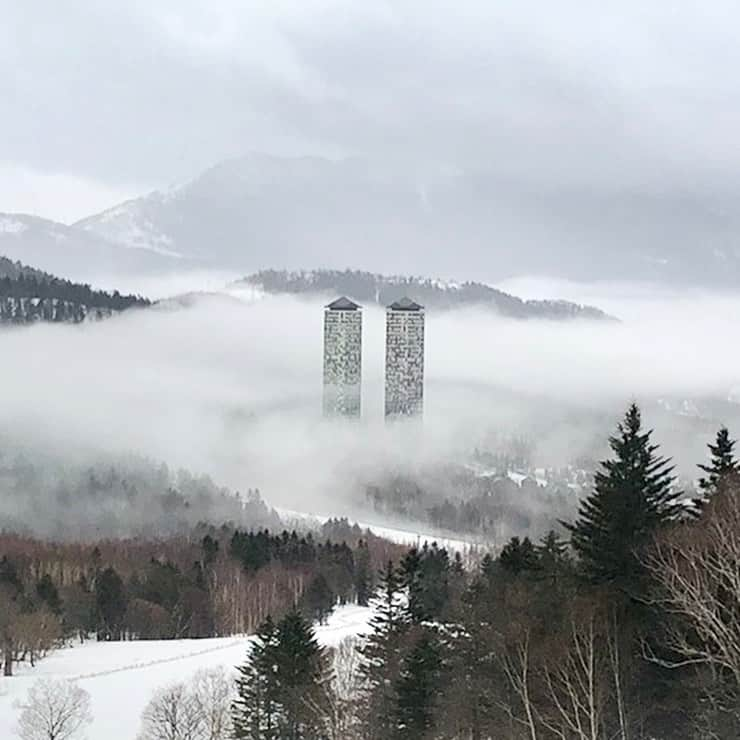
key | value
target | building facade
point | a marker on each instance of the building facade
(404, 359)
(342, 358)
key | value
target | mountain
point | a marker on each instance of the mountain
(260, 211)
(74, 252)
(28, 295)
(370, 288)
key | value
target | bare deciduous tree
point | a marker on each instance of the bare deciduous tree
(345, 716)
(696, 568)
(54, 710)
(577, 678)
(199, 710)
(515, 659)
(213, 693)
(172, 714)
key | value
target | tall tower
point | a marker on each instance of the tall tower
(342, 358)
(404, 359)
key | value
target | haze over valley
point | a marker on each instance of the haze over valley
(369, 371)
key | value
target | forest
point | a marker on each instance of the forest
(28, 295)
(373, 289)
(213, 582)
(629, 630)
(490, 507)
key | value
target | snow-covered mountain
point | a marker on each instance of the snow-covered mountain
(73, 252)
(261, 211)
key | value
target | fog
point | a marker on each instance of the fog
(229, 384)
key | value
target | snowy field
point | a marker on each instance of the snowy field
(122, 676)
(393, 534)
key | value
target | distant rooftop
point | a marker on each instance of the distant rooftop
(405, 304)
(343, 304)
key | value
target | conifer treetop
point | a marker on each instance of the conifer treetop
(633, 496)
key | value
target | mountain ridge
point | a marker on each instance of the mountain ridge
(71, 251)
(29, 295)
(382, 290)
(258, 211)
(261, 211)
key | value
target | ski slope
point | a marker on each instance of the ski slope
(121, 677)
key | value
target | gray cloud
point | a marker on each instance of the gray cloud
(566, 96)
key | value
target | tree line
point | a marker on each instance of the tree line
(215, 582)
(371, 288)
(28, 295)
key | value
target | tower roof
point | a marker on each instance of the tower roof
(343, 304)
(405, 304)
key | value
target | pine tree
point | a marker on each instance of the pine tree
(362, 574)
(255, 711)
(318, 599)
(722, 465)
(303, 677)
(553, 556)
(417, 688)
(633, 496)
(488, 566)
(111, 601)
(425, 577)
(283, 689)
(519, 555)
(382, 655)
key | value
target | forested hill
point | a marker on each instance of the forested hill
(367, 287)
(28, 295)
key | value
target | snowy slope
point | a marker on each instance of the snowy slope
(262, 211)
(398, 535)
(122, 676)
(74, 253)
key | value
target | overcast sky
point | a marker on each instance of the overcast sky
(103, 100)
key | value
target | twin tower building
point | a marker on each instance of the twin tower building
(404, 359)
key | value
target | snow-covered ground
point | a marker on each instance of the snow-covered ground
(122, 676)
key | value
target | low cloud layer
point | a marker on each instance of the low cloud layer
(233, 388)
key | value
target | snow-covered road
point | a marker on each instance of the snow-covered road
(122, 676)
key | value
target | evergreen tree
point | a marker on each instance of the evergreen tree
(362, 574)
(48, 593)
(417, 688)
(721, 466)
(303, 680)
(255, 711)
(210, 548)
(283, 689)
(382, 655)
(519, 555)
(632, 497)
(425, 576)
(553, 556)
(318, 599)
(488, 566)
(110, 600)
